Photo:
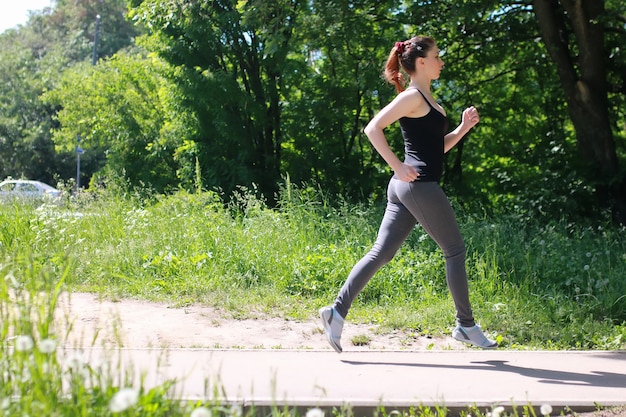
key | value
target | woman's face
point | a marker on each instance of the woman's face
(432, 63)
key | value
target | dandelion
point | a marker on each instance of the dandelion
(24, 343)
(74, 363)
(588, 254)
(47, 346)
(546, 409)
(586, 267)
(497, 411)
(315, 412)
(201, 412)
(76, 366)
(123, 400)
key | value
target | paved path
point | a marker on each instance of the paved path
(368, 379)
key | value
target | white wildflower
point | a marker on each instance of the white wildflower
(75, 364)
(546, 409)
(47, 346)
(315, 412)
(123, 400)
(201, 412)
(497, 411)
(24, 343)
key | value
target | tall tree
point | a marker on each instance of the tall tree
(345, 44)
(574, 35)
(496, 57)
(232, 56)
(32, 59)
(125, 113)
(25, 148)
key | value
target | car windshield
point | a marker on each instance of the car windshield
(46, 187)
(29, 188)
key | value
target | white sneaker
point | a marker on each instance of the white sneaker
(333, 326)
(474, 336)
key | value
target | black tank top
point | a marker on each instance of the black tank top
(423, 143)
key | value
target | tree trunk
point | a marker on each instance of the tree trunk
(580, 62)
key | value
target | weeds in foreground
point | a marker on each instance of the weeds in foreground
(39, 376)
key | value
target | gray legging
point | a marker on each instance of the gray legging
(407, 204)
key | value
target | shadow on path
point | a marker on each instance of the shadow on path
(547, 376)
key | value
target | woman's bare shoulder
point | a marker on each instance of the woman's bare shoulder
(413, 102)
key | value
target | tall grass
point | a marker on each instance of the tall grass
(539, 284)
(38, 376)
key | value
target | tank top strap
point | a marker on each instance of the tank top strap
(420, 91)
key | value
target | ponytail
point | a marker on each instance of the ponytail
(392, 67)
(402, 58)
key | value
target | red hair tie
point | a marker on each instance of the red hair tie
(400, 47)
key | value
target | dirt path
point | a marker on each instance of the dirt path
(139, 324)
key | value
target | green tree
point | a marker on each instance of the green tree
(125, 113)
(25, 122)
(523, 154)
(32, 59)
(343, 46)
(583, 40)
(231, 57)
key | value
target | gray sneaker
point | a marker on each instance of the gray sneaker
(474, 336)
(333, 326)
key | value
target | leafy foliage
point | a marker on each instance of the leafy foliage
(125, 112)
(222, 94)
(551, 286)
(32, 61)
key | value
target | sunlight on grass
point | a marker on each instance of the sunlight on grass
(558, 286)
(554, 286)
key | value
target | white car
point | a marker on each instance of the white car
(27, 189)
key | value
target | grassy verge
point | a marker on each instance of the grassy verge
(549, 285)
(554, 286)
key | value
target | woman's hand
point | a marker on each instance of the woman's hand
(470, 117)
(406, 173)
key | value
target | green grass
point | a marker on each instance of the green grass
(550, 285)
